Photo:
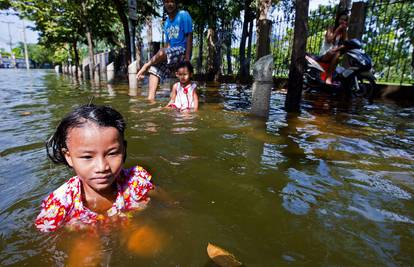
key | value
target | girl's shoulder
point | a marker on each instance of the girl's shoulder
(176, 85)
(138, 181)
(137, 172)
(137, 176)
(65, 193)
(57, 205)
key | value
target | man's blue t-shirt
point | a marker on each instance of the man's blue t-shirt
(176, 29)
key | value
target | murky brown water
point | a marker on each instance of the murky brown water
(331, 187)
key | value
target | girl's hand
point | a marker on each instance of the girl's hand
(141, 72)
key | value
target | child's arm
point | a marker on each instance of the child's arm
(195, 97)
(173, 95)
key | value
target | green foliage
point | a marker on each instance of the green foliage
(389, 40)
(18, 52)
(4, 4)
(41, 54)
(65, 22)
(389, 37)
(4, 53)
(38, 53)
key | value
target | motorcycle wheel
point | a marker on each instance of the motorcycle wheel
(367, 88)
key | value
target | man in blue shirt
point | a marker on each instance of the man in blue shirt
(179, 37)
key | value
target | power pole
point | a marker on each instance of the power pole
(10, 42)
(26, 52)
(10, 36)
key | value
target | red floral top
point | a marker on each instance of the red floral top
(65, 207)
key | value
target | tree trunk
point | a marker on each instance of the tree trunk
(90, 42)
(344, 5)
(120, 8)
(164, 18)
(412, 59)
(249, 47)
(218, 60)
(263, 29)
(212, 66)
(149, 30)
(90, 53)
(228, 50)
(75, 51)
(357, 20)
(200, 49)
(138, 48)
(242, 49)
(295, 83)
(149, 35)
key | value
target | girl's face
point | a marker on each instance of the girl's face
(184, 75)
(343, 20)
(96, 154)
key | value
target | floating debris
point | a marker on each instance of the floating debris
(169, 161)
(222, 257)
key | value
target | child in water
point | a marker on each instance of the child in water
(184, 95)
(90, 140)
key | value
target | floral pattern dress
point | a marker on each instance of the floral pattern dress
(65, 207)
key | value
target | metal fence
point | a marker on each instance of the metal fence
(388, 35)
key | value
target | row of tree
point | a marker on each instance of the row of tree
(40, 55)
(68, 24)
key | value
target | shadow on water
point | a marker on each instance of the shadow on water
(330, 186)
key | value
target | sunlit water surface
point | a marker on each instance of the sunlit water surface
(332, 186)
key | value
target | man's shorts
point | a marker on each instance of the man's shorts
(175, 55)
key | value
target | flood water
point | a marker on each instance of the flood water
(332, 186)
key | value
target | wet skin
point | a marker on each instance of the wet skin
(96, 155)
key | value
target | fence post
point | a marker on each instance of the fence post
(110, 72)
(132, 72)
(262, 86)
(357, 20)
(57, 68)
(86, 68)
(97, 72)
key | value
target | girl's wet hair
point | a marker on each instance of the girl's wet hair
(103, 116)
(185, 64)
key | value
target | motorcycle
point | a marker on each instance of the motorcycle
(357, 79)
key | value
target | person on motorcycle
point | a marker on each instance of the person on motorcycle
(332, 45)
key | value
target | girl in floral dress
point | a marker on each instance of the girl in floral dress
(90, 140)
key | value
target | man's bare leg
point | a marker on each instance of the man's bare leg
(152, 86)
